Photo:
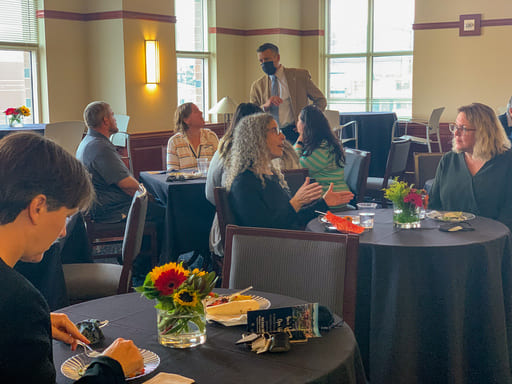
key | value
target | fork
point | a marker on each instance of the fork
(89, 352)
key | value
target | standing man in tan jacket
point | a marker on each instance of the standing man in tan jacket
(283, 92)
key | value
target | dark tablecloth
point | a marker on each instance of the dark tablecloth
(333, 358)
(432, 306)
(188, 214)
(6, 130)
(374, 136)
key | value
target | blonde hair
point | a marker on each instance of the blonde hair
(250, 150)
(490, 136)
(182, 112)
(289, 160)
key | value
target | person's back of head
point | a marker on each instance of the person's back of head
(31, 165)
(509, 106)
(94, 113)
(242, 110)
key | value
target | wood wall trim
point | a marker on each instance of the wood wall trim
(110, 15)
(457, 24)
(266, 31)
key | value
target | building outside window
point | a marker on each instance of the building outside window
(369, 55)
(192, 52)
(18, 57)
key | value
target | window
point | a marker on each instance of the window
(369, 60)
(18, 56)
(192, 52)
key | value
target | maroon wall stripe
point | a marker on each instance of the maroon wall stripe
(266, 31)
(110, 15)
(456, 24)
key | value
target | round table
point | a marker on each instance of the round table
(434, 306)
(333, 358)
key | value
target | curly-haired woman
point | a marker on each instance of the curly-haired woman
(191, 141)
(476, 176)
(258, 193)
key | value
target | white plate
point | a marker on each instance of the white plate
(230, 321)
(441, 216)
(71, 367)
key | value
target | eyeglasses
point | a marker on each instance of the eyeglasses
(459, 128)
(275, 130)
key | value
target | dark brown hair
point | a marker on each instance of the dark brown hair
(31, 165)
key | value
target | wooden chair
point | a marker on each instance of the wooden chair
(225, 215)
(425, 167)
(94, 280)
(395, 166)
(67, 134)
(357, 166)
(317, 267)
(431, 128)
(295, 178)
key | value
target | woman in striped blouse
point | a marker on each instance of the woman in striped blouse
(191, 141)
(319, 150)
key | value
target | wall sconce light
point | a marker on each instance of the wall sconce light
(152, 62)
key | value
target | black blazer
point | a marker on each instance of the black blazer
(504, 122)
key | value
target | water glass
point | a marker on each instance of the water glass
(367, 214)
(366, 219)
(202, 165)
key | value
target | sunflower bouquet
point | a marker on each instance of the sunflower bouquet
(179, 295)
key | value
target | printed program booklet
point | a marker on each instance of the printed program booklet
(299, 321)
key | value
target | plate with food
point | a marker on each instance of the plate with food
(450, 216)
(232, 310)
(75, 367)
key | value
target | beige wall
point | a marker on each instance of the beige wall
(104, 60)
(451, 70)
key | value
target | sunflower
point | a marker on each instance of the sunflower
(186, 297)
(169, 280)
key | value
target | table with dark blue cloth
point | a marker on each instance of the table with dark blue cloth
(333, 358)
(188, 216)
(6, 130)
(374, 136)
(432, 306)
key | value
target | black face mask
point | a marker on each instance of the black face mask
(268, 67)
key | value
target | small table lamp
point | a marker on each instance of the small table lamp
(225, 107)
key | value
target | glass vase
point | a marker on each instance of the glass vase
(14, 121)
(406, 216)
(181, 330)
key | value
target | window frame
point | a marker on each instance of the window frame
(369, 56)
(204, 55)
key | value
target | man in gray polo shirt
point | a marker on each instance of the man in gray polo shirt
(113, 182)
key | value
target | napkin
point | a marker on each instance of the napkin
(169, 378)
(456, 227)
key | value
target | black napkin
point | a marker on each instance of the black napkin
(463, 226)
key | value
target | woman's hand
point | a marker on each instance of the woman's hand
(306, 194)
(127, 354)
(337, 198)
(64, 330)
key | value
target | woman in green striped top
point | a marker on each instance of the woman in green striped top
(319, 150)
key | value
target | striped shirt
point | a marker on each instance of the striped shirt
(322, 166)
(181, 154)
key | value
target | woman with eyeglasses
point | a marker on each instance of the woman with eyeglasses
(476, 176)
(258, 193)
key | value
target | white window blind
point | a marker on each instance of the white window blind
(18, 22)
